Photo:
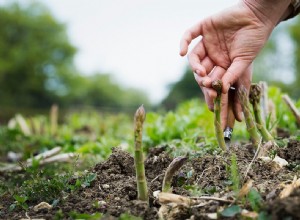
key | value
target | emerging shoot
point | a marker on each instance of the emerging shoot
(217, 85)
(139, 119)
(251, 127)
(175, 165)
(254, 98)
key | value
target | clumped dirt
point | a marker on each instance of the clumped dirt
(114, 191)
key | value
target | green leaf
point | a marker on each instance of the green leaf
(20, 199)
(231, 211)
(263, 216)
(255, 199)
(126, 216)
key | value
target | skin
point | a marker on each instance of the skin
(230, 41)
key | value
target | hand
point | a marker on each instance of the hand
(230, 42)
(244, 80)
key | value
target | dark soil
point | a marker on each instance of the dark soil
(114, 191)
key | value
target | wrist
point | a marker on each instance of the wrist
(270, 11)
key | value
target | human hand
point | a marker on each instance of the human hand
(228, 98)
(230, 42)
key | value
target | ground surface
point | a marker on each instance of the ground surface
(114, 190)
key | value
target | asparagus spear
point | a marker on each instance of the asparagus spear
(139, 119)
(172, 168)
(251, 127)
(217, 85)
(254, 98)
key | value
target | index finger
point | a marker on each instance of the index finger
(188, 36)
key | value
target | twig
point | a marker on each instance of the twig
(212, 198)
(45, 155)
(252, 161)
(157, 177)
(57, 158)
(292, 107)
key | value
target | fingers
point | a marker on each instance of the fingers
(217, 73)
(188, 36)
(244, 80)
(202, 81)
(237, 108)
(234, 72)
(199, 63)
(209, 101)
(195, 57)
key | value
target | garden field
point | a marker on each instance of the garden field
(82, 165)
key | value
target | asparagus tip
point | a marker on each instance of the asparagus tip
(255, 93)
(140, 114)
(217, 85)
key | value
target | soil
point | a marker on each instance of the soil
(114, 191)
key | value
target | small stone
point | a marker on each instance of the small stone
(42, 205)
(101, 203)
(105, 186)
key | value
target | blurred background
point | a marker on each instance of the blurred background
(115, 55)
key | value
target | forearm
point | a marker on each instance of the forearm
(270, 11)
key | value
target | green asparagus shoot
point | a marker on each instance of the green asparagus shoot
(254, 98)
(172, 168)
(217, 85)
(139, 119)
(251, 126)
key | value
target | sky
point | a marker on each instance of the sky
(137, 41)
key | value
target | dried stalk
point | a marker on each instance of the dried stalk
(175, 165)
(292, 107)
(139, 119)
(251, 127)
(66, 157)
(264, 100)
(254, 98)
(217, 85)
(53, 119)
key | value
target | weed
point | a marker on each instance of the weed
(255, 200)
(127, 216)
(84, 216)
(20, 202)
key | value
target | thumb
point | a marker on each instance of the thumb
(233, 73)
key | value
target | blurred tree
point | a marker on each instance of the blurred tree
(186, 88)
(36, 57)
(279, 61)
(99, 90)
(37, 67)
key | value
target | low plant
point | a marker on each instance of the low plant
(234, 174)
(20, 202)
